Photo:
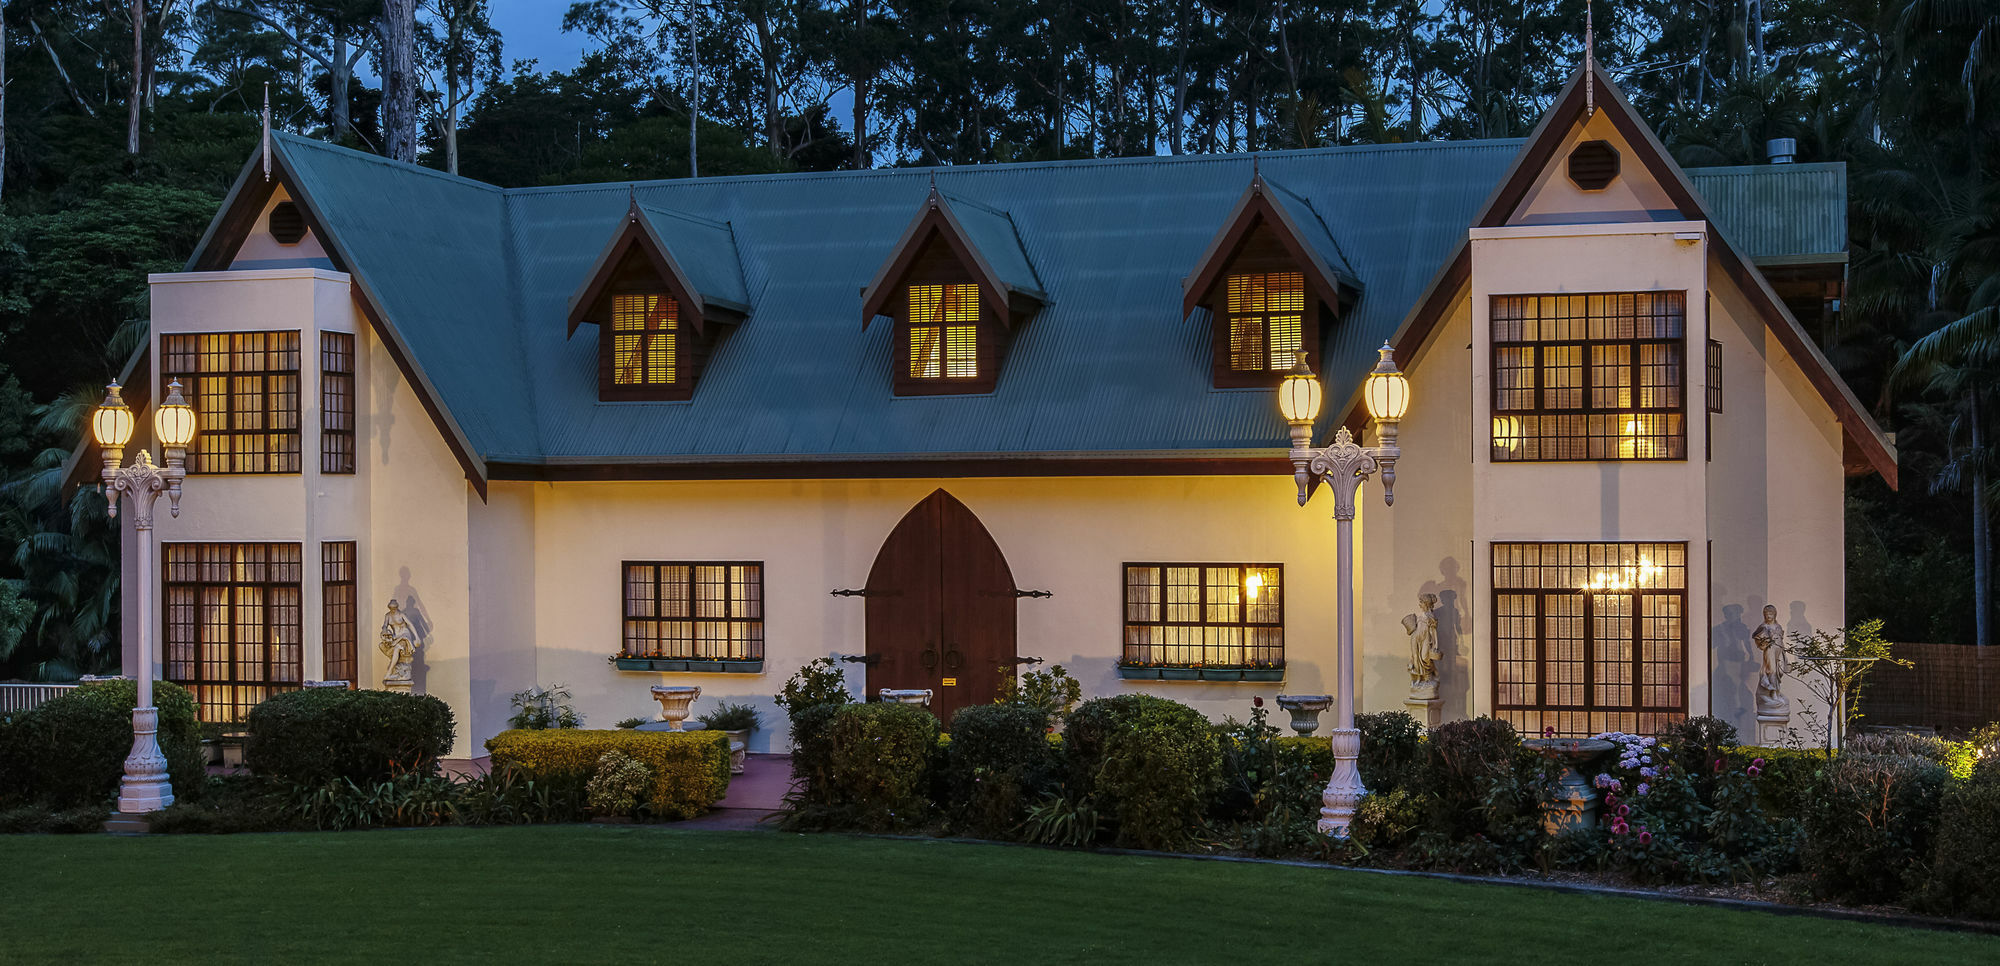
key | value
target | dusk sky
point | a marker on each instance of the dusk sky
(532, 30)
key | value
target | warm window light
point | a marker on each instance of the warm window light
(174, 423)
(1299, 394)
(1507, 432)
(1387, 393)
(1252, 584)
(1624, 578)
(112, 423)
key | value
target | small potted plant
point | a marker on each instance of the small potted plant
(737, 721)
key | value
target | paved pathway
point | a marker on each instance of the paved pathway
(754, 796)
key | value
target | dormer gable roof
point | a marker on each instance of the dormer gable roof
(1298, 227)
(986, 242)
(695, 256)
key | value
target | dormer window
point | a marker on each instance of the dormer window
(644, 336)
(1266, 317)
(957, 284)
(659, 319)
(1271, 279)
(942, 340)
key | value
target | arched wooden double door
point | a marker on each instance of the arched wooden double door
(940, 608)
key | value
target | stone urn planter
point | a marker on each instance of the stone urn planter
(675, 700)
(921, 697)
(1572, 801)
(1305, 709)
(739, 745)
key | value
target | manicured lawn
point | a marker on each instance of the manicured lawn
(591, 894)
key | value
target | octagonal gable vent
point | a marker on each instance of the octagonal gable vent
(1593, 164)
(287, 223)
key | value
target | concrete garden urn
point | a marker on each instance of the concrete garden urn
(739, 750)
(675, 700)
(921, 697)
(1572, 801)
(1305, 709)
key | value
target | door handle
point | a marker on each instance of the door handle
(953, 660)
(929, 659)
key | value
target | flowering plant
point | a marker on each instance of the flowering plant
(1671, 812)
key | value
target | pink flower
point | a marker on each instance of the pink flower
(1256, 702)
(1753, 771)
(1756, 762)
(1718, 766)
(1549, 732)
(1624, 810)
(1619, 827)
(1610, 798)
(1645, 837)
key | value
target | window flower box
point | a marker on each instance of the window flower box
(690, 666)
(1220, 673)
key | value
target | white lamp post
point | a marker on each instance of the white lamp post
(145, 787)
(1342, 466)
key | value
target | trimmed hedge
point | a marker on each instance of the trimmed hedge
(325, 734)
(999, 760)
(1870, 824)
(1148, 764)
(1965, 863)
(1790, 775)
(70, 751)
(690, 768)
(878, 765)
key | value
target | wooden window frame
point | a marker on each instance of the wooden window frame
(988, 333)
(340, 612)
(751, 645)
(229, 696)
(1267, 374)
(190, 356)
(685, 338)
(1135, 655)
(1674, 448)
(336, 402)
(1533, 718)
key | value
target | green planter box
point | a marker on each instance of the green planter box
(1138, 673)
(1221, 674)
(680, 665)
(1180, 674)
(1264, 674)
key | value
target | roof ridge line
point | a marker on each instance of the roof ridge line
(408, 166)
(684, 216)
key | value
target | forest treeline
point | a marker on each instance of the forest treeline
(122, 123)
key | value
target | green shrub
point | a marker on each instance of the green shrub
(690, 768)
(324, 734)
(539, 708)
(1965, 865)
(1869, 825)
(730, 717)
(1957, 757)
(70, 751)
(618, 784)
(818, 681)
(39, 820)
(999, 761)
(1392, 746)
(877, 768)
(809, 699)
(1789, 776)
(1483, 796)
(1146, 764)
(1052, 691)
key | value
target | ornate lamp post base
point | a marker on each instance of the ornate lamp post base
(144, 787)
(1344, 791)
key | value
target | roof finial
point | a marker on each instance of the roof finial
(267, 131)
(1589, 61)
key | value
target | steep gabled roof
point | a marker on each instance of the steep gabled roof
(465, 284)
(1298, 227)
(983, 238)
(1866, 445)
(694, 255)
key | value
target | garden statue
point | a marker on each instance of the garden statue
(1424, 652)
(1770, 639)
(399, 644)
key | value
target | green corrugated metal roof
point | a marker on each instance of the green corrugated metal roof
(1783, 212)
(1312, 230)
(705, 250)
(476, 280)
(991, 233)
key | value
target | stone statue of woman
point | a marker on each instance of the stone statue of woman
(399, 644)
(1773, 663)
(1424, 652)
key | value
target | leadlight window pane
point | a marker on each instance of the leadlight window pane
(336, 404)
(339, 614)
(943, 331)
(1589, 637)
(685, 610)
(1266, 315)
(233, 623)
(1215, 615)
(244, 387)
(645, 329)
(1589, 377)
